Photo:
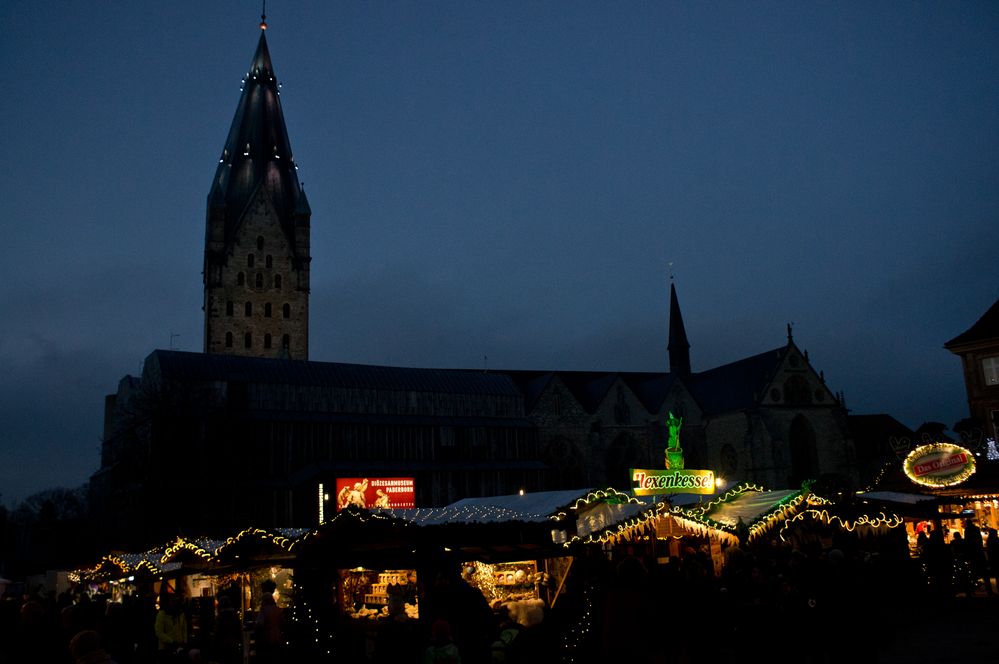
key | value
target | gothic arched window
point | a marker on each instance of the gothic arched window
(286, 310)
(248, 308)
(228, 339)
(228, 308)
(240, 279)
(260, 280)
(277, 281)
(247, 340)
(269, 261)
(267, 310)
(267, 341)
(286, 342)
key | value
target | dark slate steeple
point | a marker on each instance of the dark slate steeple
(257, 154)
(257, 232)
(679, 347)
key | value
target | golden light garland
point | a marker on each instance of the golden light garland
(881, 520)
(734, 492)
(781, 512)
(279, 540)
(704, 529)
(696, 518)
(180, 545)
(600, 495)
(624, 529)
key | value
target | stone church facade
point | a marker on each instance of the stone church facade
(243, 434)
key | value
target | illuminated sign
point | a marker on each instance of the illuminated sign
(658, 481)
(375, 493)
(939, 465)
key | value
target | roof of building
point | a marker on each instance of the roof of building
(872, 434)
(730, 387)
(985, 328)
(200, 367)
(737, 385)
(257, 153)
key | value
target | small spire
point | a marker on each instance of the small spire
(263, 16)
(677, 348)
(790, 337)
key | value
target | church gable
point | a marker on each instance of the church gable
(796, 384)
(620, 406)
(556, 405)
(681, 402)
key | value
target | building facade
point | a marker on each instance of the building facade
(243, 434)
(978, 348)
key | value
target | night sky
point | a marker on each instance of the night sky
(510, 180)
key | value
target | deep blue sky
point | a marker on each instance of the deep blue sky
(506, 179)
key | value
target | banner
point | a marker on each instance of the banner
(646, 482)
(375, 493)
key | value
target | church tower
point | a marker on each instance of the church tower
(256, 270)
(678, 347)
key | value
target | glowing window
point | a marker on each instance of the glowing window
(990, 368)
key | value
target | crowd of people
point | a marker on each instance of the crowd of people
(797, 602)
(80, 628)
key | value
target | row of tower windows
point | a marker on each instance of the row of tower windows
(268, 261)
(258, 279)
(248, 309)
(248, 340)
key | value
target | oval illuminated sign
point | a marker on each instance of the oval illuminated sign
(939, 465)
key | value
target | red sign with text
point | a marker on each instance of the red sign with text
(376, 492)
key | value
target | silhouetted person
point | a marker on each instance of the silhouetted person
(469, 618)
(85, 648)
(442, 649)
(939, 563)
(974, 552)
(227, 641)
(171, 627)
(268, 637)
(992, 553)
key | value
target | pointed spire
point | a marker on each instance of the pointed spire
(678, 347)
(257, 153)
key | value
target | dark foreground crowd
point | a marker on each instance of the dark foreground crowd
(771, 602)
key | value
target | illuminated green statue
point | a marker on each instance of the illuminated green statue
(674, 454)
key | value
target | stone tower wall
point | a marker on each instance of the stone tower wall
(258, 281)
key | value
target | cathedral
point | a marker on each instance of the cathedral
(245, 433)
